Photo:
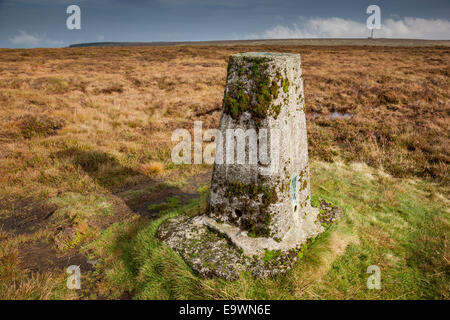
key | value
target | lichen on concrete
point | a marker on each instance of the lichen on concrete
(212, 254)
(254, 85)
(257, 216)
(265, 91)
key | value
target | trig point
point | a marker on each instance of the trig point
(265, 206)
(260, 198)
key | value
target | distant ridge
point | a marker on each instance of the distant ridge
(125, 44)
(298, 42)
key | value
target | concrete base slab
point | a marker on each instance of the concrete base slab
(304, 228)
(215, 250)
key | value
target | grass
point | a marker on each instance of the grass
(388, 222)
(17, 282)
(171, 203)
(152, 168)
(133, 113)
(94, 140)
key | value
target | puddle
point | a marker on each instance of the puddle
(333, 116)
(338, 115)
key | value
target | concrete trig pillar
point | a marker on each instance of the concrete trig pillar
(263, 204)
(260, 191)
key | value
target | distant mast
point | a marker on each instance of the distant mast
(374, 20)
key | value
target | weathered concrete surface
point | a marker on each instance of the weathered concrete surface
(257, 207)
(212, 254)
(256, 210)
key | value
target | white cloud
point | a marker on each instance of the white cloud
(407, 28)
(26, 40)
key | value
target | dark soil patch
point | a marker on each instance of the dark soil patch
(161, 197)
(41, 257)
(186, 193)
(26, 215)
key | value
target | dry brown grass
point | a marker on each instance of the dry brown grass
(129, 99)
(152, 168)
(80, 124)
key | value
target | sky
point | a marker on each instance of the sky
(42, 23)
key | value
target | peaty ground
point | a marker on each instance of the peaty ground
(86, 175)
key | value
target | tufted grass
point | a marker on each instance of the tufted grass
(93, 140)
(388, 222)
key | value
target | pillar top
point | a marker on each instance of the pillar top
(267, 55)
